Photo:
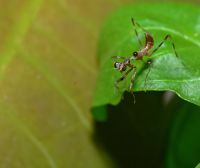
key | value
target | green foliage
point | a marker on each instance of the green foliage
(198, 166)
(180, 75)
(47, 78)
(45, 120)
(184, 146)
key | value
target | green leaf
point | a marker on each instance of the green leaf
(183, 146)
(44, 95)
(180, 75)
(198, 166)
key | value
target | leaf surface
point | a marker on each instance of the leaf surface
(46, 85)
(178, 74)
(197, 166)
(183, 145)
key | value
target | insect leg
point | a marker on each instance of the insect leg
(132, 82)
(168, 36)
(149, 63)
(123, 77)
(133, 77)
(136, 33)
(138, 25)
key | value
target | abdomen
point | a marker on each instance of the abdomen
(149, 41)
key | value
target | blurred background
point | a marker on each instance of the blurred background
(48, 70)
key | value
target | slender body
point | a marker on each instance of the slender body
(149, 44)
(144, 51)
(138, 55)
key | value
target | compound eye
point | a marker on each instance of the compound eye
(116, 64)
(135, 54)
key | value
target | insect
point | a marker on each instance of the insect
(125, 66)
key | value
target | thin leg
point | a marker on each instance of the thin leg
(132, 79)
(138, 25)
(123, 77)
(131, 84)
(149, 63)
(136, 33)
(168, 36)
(150, 66)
